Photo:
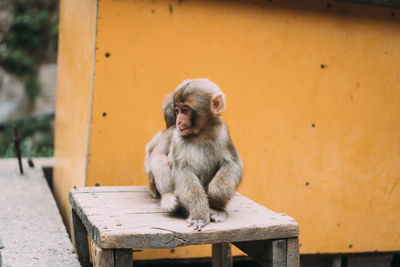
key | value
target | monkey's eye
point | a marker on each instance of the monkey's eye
(176, 111)
(185, 110)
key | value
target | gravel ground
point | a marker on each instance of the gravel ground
(31, 229)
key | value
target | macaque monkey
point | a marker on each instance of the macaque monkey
(205, 168)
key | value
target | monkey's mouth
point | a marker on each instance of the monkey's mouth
(185, 130)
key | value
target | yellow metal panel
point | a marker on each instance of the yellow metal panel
(75, 53)
(313, 106)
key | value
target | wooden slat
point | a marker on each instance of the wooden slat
(222, 255)
(108, 189)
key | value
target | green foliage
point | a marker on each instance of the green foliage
(17, 61)
(32, 88)
(30, 32)
(36, 137)
(31, 39)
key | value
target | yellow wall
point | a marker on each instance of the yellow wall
(74, 79)
(313, 97)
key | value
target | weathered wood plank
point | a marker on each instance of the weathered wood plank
(134, 220)
(222, 255)
(269, 253)
(177, 234)
(107, 189)
(102, 257)
(128, 217)
(80, 239)
(123, 257)
(293, 259)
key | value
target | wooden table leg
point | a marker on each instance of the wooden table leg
(222, 255)
(266, 252)
(79, 239)
(293, 259)
(102, 257)
(111, 257)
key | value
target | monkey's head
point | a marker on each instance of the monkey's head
(196, 102)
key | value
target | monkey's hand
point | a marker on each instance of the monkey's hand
(197, 224)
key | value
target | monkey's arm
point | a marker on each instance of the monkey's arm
(158, 166)
(149, 149)
(224, 183)
(193, 197)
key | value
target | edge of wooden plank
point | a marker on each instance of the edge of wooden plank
(108, 189)
(165, 238)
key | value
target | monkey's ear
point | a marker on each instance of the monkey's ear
(217, 104)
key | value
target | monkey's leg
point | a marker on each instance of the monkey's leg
(161, 168)
(220, 191)
(162, 173)
(222, 188)
(192, 196)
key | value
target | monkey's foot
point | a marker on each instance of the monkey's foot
(197, 224)
(218, 215)
(169, 202)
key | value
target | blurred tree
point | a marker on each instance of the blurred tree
(31, 40)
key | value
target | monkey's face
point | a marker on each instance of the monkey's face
(196, 102)
(184, 119)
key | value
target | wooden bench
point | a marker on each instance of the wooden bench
(119, 219)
